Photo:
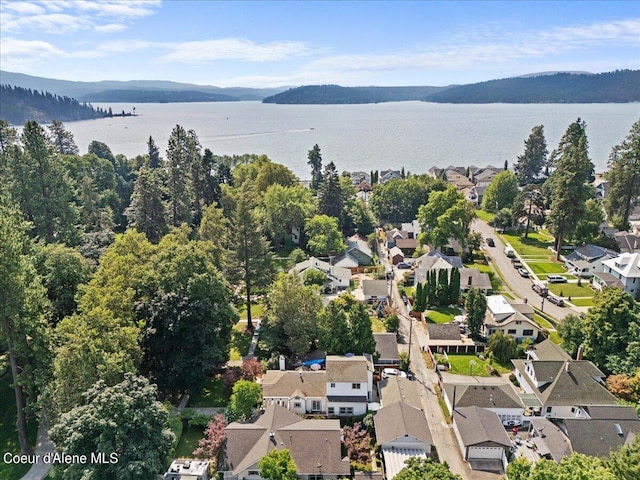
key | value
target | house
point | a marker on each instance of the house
(359, 177)
(626, 268)
(501, 399)
(386, 175)
(474, 278)
(446, 337)
(628, 242)
(343, 388)
(602, 280)
(458, 179)
(482, 438)
(395, 389)
(474, 194)
(587, 260)
(547, 350)
(550, 441)
(413, 228)
(396, 256)
(357, 254)
(375, 290)
(315, 445)
(615, 426)
(188, 469)
(337, 278)
(561, 387)
(515, 319)
(407, 245)
(387, 349)
(434, 260)
(485, 176)
(402, 433)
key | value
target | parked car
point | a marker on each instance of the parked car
(556, 279)
(556, 300)
(512, 423)
(516, 263)
(403, 266)
(393, 372)
(490, 242)
(509, 252)
(540, 289)
(523, 272)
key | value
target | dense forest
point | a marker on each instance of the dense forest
(614, 87)
(156, 96)
(621, 86)
(335, 94)
(18, 105)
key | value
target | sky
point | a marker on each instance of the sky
(291, 43)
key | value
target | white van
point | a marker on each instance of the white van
(509, 251)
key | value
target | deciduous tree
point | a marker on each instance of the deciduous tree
(324, 236)
(209, 447)
(246, 395)
(358, 443)
(502, 347)
(501, 192)
(284, 208)
(426, 469)
(278, 465)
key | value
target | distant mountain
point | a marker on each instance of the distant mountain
(85, 90)
(335, 94)
(621, 86)
(156, 96)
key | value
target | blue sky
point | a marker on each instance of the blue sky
(268, 44)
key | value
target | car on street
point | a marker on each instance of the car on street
(516, 263)
(540, 289)
(523, 272)
(512, 423)
(403, 266)
(393, 372)
(556, 279)
(556, 300)
(490, 242)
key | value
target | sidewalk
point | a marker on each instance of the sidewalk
(40, 470)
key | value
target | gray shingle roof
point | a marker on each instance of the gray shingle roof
(276, 383)
(387, 346)
(598, 437)
(400, 419)
(397, 389)
(346, 369)
(481, 427)
(443, 331)
(486, 396)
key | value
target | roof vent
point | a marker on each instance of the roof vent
(618, 429)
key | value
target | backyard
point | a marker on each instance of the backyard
(570, 290)
(461, 365)
(213, 394)
(442, 314)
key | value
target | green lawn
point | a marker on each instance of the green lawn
(536, 244)
(484, 215)
(8, 433)
(442, 315)
(189, 441)
(546, 267)
(213, 394)
(582, 302)
(488, 269)
(555, 337)
(570, 290)
(461, 365)
(240, 341)
(544, 323)
(377, 325)
(257, 310)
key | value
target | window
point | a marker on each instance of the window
(527, 333)
(333, 385)
(549, 409)
(518, 322)
(331, 411)
(315, 405)
(315, 477)
(297, 404)
(346, 410)
(355, 386)
(253, 472)
(511, 331)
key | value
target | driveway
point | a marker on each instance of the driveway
(520, 286)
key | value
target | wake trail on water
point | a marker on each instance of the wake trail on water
(257, 134)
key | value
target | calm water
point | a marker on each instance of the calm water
(415, 135)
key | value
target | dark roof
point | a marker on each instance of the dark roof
(400, 419)
(478, 279)
(481, 427)
(378, 288)
(547, 350)
(550, 439)
(443, 331)
(387, 346)
(609, 280)
(247, 443)
(452, 259)
(598, 437)
(485, 396)
(611, 412)
(347, 398)
(590, 253)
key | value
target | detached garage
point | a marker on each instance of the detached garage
(482, 438)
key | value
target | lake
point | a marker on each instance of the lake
(416, 135)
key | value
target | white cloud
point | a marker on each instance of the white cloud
(110, 28)
(23, 8)
(233, 49)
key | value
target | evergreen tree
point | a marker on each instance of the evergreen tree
(419, 305)
(251, 255)
(178, 167)
(624, 178)
(360, 333)
(529, 206)
(476, 306)
(433, 287)
(531, 163)
(569, 183)
(154, 153)
(330, 200)
(454, 286)
(315, 161)
(442, 291)
(334, 330)
(62, 139)
(146, 212)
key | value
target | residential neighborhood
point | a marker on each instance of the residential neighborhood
(322, 339)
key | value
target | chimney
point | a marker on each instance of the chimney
(281, 359)
(580, 352)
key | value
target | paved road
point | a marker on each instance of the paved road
(40, 470)
(520, 286)
(442, 433)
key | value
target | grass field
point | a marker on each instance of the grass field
(570, 290)
(240, 341)
(582, 302)
(213, 394)
(257, 310)
(461, 365)
(546, 267)
(555, 337)
(377, 325)
(8, 433)
(484, 215)
(189, 441)
(535, 245)
(442, 315)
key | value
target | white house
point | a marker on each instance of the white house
(587, 260)
(501, 399)
(626, 268)
(515, 319)
(338, 278)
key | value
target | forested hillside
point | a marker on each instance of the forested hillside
(335, 94)
(18, 105)
(156, 96)
(615, 87)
